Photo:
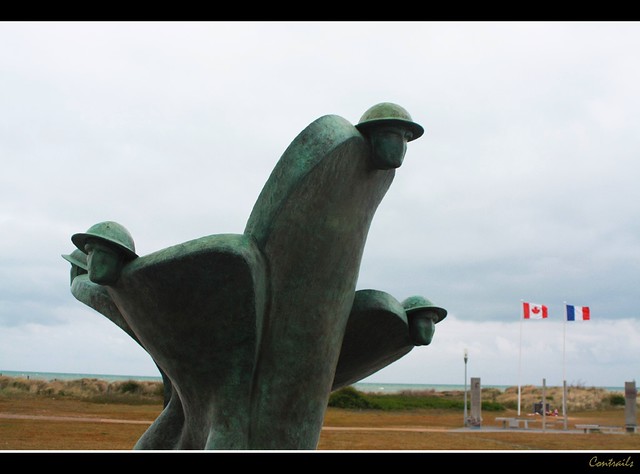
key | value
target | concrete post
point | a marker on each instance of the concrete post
(630, 397)
(476, 402)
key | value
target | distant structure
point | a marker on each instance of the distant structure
(476, 403)
(630, 406)
(253, 331)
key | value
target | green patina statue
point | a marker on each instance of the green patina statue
(252, 332)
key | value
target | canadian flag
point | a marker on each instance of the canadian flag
(534, 311)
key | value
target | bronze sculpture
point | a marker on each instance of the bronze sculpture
(253, 331)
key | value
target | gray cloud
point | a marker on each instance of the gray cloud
(523, 186)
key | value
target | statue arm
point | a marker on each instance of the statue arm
(97, 297)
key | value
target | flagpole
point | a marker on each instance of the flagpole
(564, 375)
(564, 338)
(520, 358)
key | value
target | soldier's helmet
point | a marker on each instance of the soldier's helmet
(417, 303)
(387, 113)
(110, 233)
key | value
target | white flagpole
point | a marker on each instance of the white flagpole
(520, 355)
(564, 342)
(564, 376)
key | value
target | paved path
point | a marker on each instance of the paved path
(143, 422)
(326, 428)
(72, 418)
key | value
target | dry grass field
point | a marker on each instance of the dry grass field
(37, 417)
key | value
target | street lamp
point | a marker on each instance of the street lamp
(466, 357)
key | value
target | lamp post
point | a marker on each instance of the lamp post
(466, 357)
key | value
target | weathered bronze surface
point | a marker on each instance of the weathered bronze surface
(251, 332)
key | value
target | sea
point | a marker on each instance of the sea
(366, 387)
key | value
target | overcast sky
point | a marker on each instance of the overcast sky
(523, 187)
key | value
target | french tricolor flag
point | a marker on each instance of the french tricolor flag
(534, 311)
(578, 313)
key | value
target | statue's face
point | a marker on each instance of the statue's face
(104, 263)
(389, 145)
(422, 326)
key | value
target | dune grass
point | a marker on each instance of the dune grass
(90, 389)
(578, 398)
